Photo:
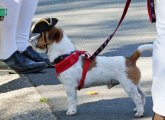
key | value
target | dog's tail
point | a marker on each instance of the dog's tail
(147, 47)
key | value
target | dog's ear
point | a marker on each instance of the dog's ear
(55, 34)
(43, 25)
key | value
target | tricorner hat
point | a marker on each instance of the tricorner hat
(44, 24)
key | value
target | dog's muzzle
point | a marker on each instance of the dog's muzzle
(33, 39)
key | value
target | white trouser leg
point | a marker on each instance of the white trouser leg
(158, 87)
(8, 28)
(27, 11)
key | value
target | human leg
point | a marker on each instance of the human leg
(12, 58)
(27, 11)
(158, 86)
(8, 28)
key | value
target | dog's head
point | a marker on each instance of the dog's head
(47, 38)
(45, 34)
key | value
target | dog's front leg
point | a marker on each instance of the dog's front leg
(72, 99)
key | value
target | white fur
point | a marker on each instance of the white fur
(107, 69)
(64, 47)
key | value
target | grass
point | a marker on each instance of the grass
(43, 100)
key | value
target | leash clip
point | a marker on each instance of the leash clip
(87, 55)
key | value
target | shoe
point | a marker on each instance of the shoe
(33, 55)
(21, 64)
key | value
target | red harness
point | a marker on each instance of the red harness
(71, 60)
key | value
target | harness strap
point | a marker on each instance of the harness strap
(44, 37)
(68, 62)
(71, 60)
(60, 58)
(85, 70)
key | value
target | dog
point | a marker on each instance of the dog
(102, 69)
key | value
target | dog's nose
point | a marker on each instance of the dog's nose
(34, 36)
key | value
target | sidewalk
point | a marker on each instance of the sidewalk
(20, 101)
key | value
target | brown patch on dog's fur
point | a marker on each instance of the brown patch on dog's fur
(133, 71)
(41, 42)
(92, 65)
(48, 37)
(134, 74)
(55, 35)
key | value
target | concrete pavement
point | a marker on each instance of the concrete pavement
(19, 100)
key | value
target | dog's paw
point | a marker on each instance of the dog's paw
(135, 109)
(139, 113)
(71, 111)
(112, 83)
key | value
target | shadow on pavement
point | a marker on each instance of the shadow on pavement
(115, 109)
(46, 77)
(14, 84)
(127, 50)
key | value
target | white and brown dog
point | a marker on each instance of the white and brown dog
(101, 71)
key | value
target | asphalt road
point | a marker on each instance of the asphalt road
(88, 23)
